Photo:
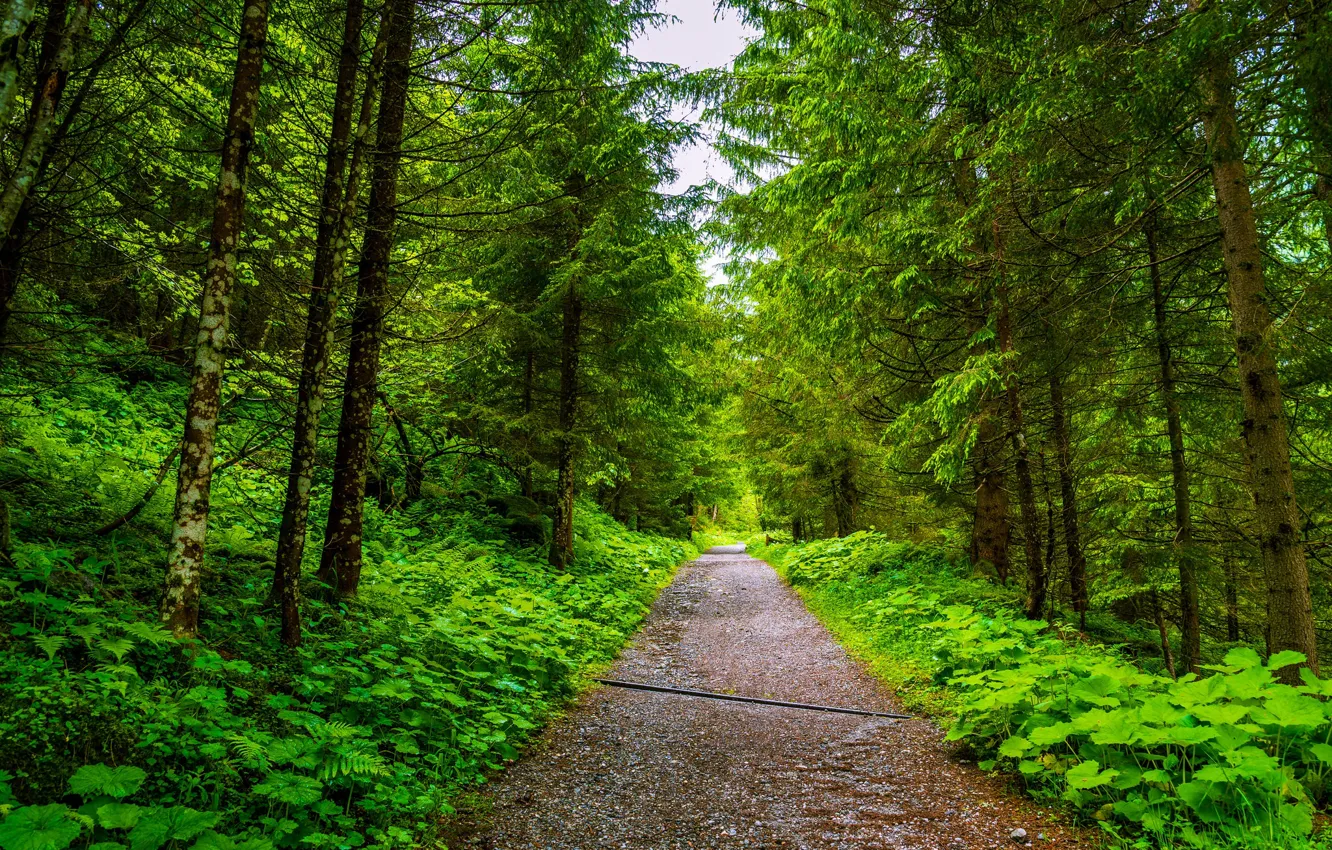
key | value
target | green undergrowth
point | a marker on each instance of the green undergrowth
(115, 736)
(1230, 759)
(449, 658)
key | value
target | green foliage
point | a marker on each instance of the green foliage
(1230, 759)
(457, 647)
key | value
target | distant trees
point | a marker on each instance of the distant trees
(1003, 259)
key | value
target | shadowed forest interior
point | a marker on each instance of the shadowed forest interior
(363, 380)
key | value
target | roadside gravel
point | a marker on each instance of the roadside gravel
(649, 771)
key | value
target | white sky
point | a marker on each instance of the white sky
(701, 37)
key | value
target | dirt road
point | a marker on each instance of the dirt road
(628, 769)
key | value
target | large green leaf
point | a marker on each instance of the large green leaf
(176, 823)
(48, 827)
(210, 840)
(94, 779)
(293, 788)
(1088, 774)
(118, 815)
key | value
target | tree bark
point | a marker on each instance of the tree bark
(561, 546)
(14, 26)
(844, 499)
(529, 381)
(1031, 523)
(60, 33)
(413, 463)
(41, 118)
(1068, 496)
(180, 596)
(1190, 629)
(1166, 654)
(1051, 570)
(1266, 439)
(337, 208)
(340, 564)
(989, 530)
(1232, 599)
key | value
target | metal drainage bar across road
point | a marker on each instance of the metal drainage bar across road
(662, 689)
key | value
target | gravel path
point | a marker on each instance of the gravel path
(629, 769)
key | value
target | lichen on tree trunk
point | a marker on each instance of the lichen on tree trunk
(180, 594)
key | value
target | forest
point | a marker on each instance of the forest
(362, 383)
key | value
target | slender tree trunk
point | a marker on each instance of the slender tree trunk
(561, 547)
(340, 564)
(529, 381)
(1185, 557)
(1051, 571)
(989, 530)
(844, 499)
(1068, 493)
(60, 35)
(128, 516)
(413, 463)
(337, 208)
(6, 540)
(41, 118)
(1164, 634)
(180, 596)
(14, 23)
(1232, 599)
(1266, 440)
(1031, 523)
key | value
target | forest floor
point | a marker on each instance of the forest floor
(629, 769)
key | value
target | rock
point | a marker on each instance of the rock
(1019, 836)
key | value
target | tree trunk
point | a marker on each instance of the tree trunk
(529, 381)
(41, 118)
(13, 36)
(413, 463)
(1051, 571)
(1068, 494)
(1164, 634)
(340, 564)
(1190, 629)
(51, 82)
(1266, 440)
(1232, 600)
(844, 499)
(180, 596)
(989, 531)
(60, 35)
(337, 207)
(1031, 523)
(561, 546)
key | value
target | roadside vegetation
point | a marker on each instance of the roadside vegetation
(1231, 758)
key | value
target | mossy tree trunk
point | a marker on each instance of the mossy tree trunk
(180, 595)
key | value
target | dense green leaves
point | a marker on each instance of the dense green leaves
(1234, 758)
